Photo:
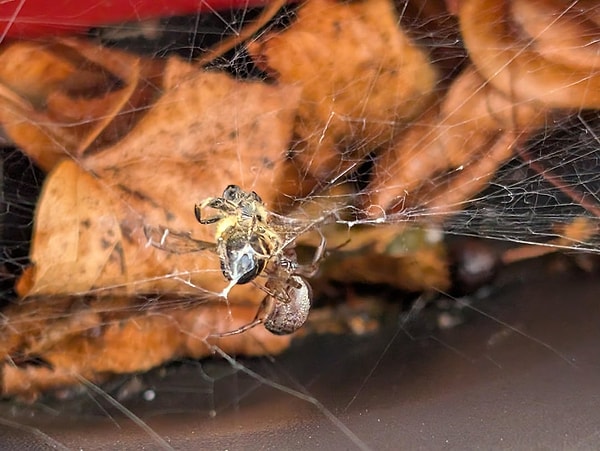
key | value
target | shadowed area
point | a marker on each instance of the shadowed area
(485, 383)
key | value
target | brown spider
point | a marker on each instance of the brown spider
(250, 241)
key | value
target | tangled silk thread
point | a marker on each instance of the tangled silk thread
(529, 61)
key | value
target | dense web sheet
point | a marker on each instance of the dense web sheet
(513, 168)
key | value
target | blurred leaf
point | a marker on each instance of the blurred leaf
(362, 79)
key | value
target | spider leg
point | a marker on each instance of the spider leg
(265, 309)
(310, 270)
(239, 330)
(293, 284)
(275, 286)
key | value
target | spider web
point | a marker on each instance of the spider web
(532, 198)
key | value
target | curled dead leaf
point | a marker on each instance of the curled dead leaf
(65, 98)
(526, 70)
(473, 120)
(362, 79)
(98, 242)
(145, 141)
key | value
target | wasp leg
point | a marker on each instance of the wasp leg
(216, 203)
(211, 220)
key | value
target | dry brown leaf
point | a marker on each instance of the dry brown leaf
(76, 233)
(521, 65)
(205, 131)
(60, 99)
(209, 120)
(362, 78)
(407, 258)
(57, 341)
(475, 128)
(192, 144)
(540, 58)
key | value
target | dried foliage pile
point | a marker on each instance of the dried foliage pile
(129, 141)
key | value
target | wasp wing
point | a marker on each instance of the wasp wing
(175, 242)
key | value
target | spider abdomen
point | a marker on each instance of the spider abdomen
(288, 317)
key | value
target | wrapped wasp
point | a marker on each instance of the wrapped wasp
(250, 241)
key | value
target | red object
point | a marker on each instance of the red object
(34, 18)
